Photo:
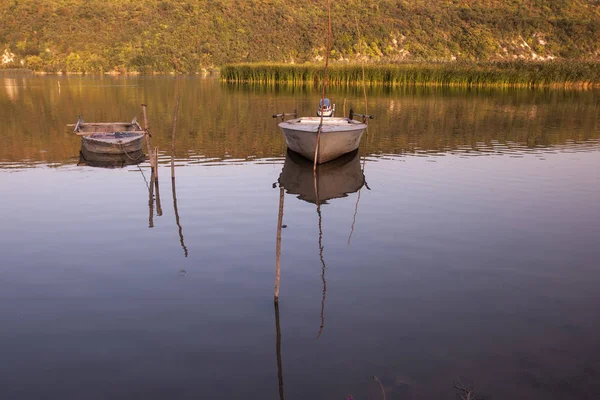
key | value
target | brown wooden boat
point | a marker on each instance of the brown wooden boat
(110, 137)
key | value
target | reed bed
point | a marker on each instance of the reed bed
(503, 73)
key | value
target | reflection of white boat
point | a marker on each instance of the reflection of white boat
(338, 136)
(335, 179)
(332, 180)
(110, 137)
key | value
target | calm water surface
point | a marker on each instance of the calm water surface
(462, 241)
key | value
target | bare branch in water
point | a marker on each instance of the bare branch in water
(381, 386)
(465, 393)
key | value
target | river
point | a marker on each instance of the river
(459, 246)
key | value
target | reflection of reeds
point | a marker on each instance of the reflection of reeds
(501, 73)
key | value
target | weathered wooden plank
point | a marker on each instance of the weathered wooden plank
(84, 124)
(94, 133)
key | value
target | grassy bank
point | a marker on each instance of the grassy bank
(511, 74)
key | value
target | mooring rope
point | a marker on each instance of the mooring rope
(127, 154)
(136, 163)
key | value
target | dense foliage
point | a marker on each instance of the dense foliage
(186, 36)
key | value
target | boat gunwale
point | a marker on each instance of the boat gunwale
(94, 138)
(312, 124)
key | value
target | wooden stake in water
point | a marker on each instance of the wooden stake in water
(173, 138)
(278, 245)
(147, 133)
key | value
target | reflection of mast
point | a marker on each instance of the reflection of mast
(363, 173)
(358, 199)
(316, 184)
(151, 202)
(185, 250)
(332, 180)
(278, 351)
(354, 218)
(158, 206)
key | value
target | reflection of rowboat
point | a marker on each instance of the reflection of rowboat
(104, 160)
(335, 179)
(110, 137)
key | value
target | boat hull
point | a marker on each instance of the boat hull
(338, 136)
(111, 144)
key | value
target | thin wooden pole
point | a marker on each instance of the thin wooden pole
(173, 138)
(278, 245)
(155, 156)
(147, 133)
(324, 83)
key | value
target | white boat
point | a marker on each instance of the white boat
(338, 136)
(110, 137)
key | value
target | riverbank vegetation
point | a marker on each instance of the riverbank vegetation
(502, 73)
(191, 36)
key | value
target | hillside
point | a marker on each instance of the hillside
(185, 36)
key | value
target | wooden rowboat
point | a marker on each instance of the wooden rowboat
(338, 136)
(110, 137)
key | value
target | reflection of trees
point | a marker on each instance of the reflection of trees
(226, 121)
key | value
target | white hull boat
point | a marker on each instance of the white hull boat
(338, 136)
